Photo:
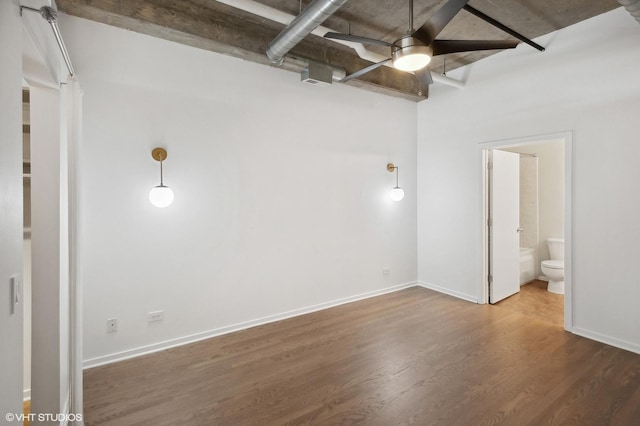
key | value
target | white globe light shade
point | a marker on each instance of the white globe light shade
(161, 196)
(396, 194)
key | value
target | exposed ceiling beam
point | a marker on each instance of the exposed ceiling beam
(223, 29)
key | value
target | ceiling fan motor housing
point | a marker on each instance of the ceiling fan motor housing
(410, 54)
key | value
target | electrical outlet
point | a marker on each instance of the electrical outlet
(155, 316)
(386, 270)
(112, 325)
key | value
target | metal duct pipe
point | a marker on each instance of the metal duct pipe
(310, 18)
(633, 7)
(51, 16)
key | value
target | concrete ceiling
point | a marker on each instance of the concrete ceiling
(211, 25)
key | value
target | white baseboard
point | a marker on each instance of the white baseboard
(611, 341)
(180, 341)
(450, 292)
(26, 395)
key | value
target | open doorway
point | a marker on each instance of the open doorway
(526, 226)
(26, 219)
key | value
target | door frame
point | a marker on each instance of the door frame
(45, 74)
(483, 147)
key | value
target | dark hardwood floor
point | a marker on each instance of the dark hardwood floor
(534, 300)
(410, 357)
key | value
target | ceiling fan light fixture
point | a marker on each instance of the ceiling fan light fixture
(411, 55)
(412, 62)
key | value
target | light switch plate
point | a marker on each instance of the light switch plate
(15, 288)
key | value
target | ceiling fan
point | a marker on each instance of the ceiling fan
(413, 51)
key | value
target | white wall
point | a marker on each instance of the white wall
(11, 373)
(529, 202)
(281, 190)
(586, 82)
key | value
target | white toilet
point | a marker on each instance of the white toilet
(554, 268)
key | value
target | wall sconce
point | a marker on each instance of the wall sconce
(396, 193)
(161, 195)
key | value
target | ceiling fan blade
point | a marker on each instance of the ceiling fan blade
(424, 77)
(364, 71)
(357, 39)
(441, 47)
(430, 30)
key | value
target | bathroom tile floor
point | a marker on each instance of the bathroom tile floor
(534, 300)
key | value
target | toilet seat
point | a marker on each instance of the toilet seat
(553, 264)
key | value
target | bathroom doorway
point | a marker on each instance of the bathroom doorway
(526, 226)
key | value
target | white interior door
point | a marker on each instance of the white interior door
(504, 219)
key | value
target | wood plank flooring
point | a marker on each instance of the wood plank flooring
(410, 357)
(534, 300)
(26, 408)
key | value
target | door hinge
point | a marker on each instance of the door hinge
(490, 165)
(490, 277)
(490, 222)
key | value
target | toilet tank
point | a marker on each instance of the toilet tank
(556, 248)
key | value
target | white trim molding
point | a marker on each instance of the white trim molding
(608, 340)
(457, 294)
(180, 341)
